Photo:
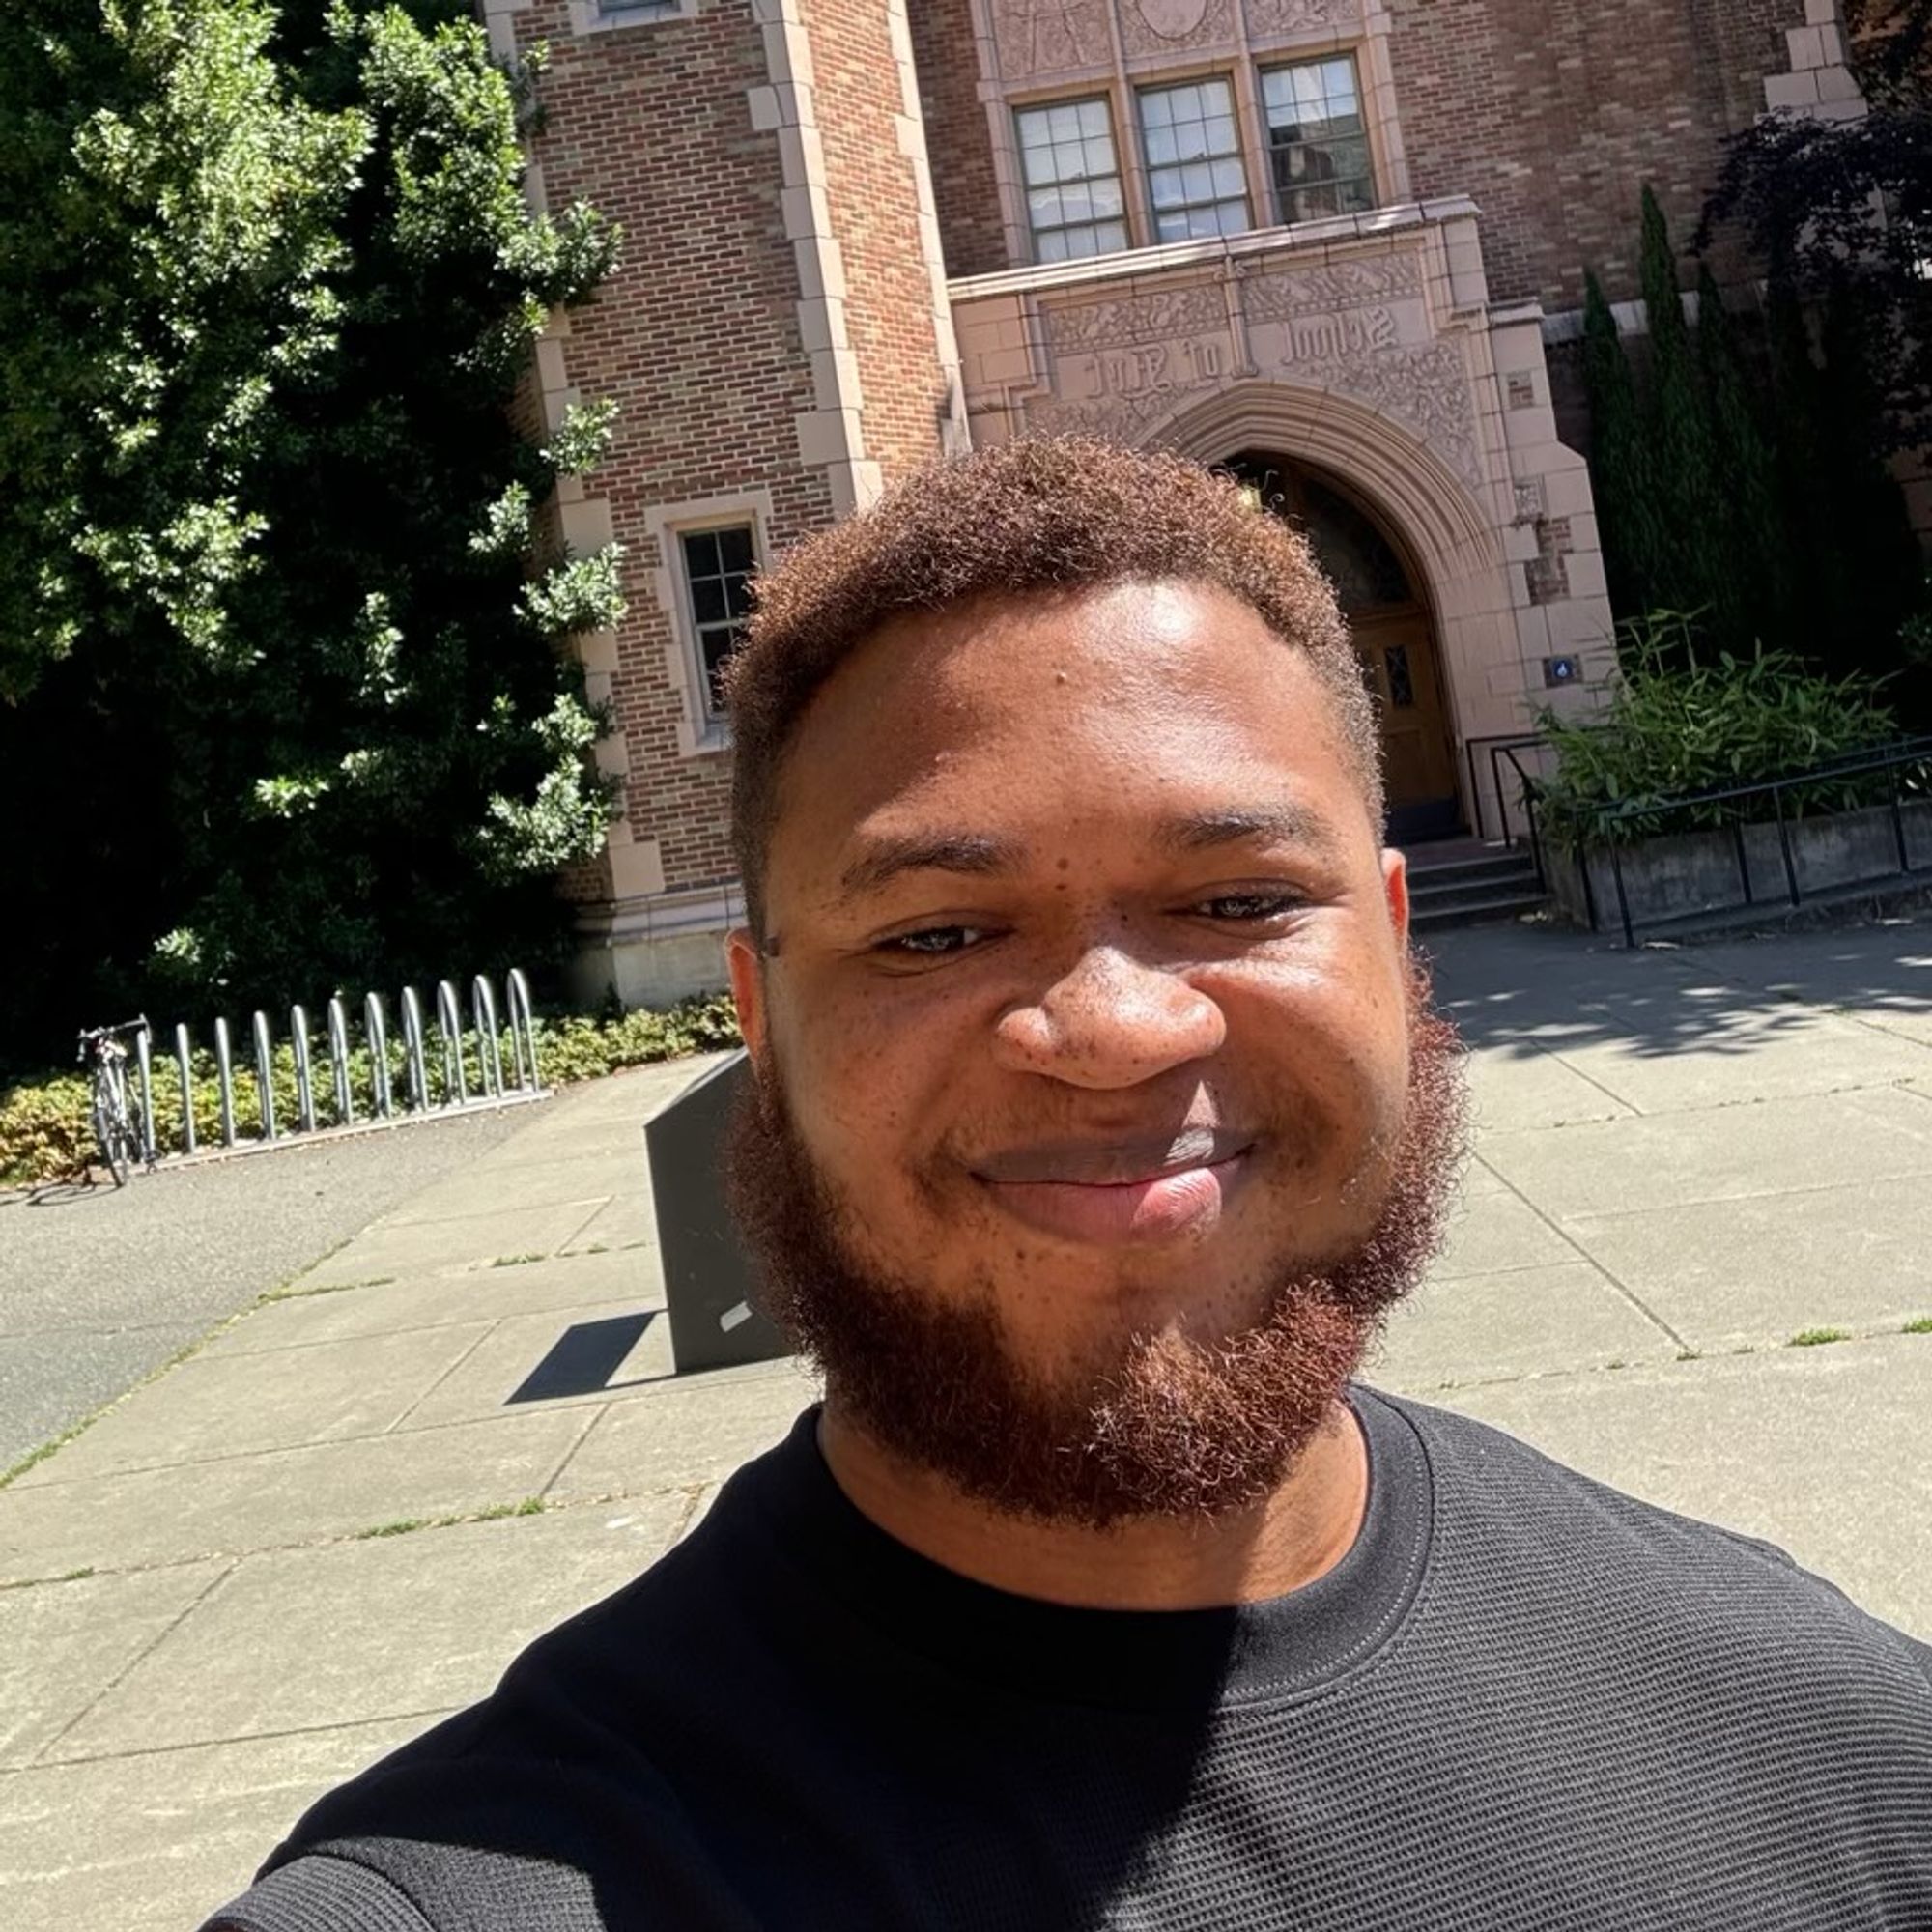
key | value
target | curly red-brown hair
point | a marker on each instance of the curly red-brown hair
(1040, 515)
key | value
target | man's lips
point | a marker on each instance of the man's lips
(1117, 1193)
(1111, 1163)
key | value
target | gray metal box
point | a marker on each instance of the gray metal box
(709, 1280)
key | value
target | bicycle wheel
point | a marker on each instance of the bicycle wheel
(137, 1150)
(110, 1123)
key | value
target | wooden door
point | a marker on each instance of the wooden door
(1397, 649)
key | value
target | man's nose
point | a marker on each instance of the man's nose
(1110, 1021)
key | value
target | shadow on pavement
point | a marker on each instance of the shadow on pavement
(1534, 988)
(58, 1194)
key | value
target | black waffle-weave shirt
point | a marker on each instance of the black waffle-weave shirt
(1522, 1702)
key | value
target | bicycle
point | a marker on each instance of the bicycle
(117, 1108)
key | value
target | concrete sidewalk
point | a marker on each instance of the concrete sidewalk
(341, 1517)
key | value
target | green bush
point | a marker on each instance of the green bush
(1684, 720)
(46, 1130)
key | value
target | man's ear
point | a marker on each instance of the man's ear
(747, 966)
(1395, 886)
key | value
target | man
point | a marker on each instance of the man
(1099, 1118)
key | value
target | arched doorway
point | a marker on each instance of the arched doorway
(1394, 635)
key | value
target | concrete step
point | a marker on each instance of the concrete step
(1436, 916)
(1467, 883)
(1474, 873)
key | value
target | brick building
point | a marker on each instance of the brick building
(1332, 244)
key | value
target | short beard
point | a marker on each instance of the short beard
(1174, 1427)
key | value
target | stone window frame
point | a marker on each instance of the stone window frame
(1272, 63)
(1367, 38)
(605, 16)
(1140, 87)
(1102, 98)
(699, 731)
(1367, 43)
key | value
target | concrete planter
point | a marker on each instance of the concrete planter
(1687, 873)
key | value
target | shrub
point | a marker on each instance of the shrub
(1681, 721)
(46, 1130)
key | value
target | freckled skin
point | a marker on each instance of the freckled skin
(1096, 987)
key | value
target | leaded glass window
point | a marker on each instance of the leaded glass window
(1318, 141)
(718, 567)
(1073, 180)
(1195, 177)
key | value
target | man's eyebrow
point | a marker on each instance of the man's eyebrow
(1273, 824)
(883, 860)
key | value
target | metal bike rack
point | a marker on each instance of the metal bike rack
(489, 1047)
(415, 1065)
(380, 1097)
(449, 1024)
(264, 1075)
(224, 1068)
(497, 1085)
(144, 1050)
(305, 1078)
(184, 1066)
(339, 1062)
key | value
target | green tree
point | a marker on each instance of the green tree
(1691, 505)
(1755, 587)
(1844, 208)
(168, 230)
(1620, 462)
(281, 632)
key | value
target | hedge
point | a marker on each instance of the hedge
(47, 1133)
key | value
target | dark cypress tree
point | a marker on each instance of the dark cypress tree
(1756, 551)
(1690, 507)
(1882, 570)
(1620, 466)
(1819, 586)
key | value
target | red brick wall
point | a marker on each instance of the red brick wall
(964, 184)
(695, 337)
(1553, 114)
(872, 194)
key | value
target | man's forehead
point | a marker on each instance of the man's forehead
(1155, 703)
(928, 684)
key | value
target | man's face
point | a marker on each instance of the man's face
(1087, 1037)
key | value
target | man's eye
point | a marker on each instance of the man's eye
(934, 941)
(1248, 908)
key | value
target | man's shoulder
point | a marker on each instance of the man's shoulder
(1511, 1517)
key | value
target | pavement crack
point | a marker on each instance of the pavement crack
(1584, 1254)
(437, 1381)
(246, 1738)
(134, 1663)
(570, 1454)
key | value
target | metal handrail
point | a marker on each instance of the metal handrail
(1498, 742)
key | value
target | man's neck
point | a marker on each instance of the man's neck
(1148, 1563)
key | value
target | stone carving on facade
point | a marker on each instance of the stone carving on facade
(1357, 326)
(1425, 390)
(1121, 419)
(1298, 17)
(1332, 286)
(1167, 26)
(1123, 321)
(1045, 37)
